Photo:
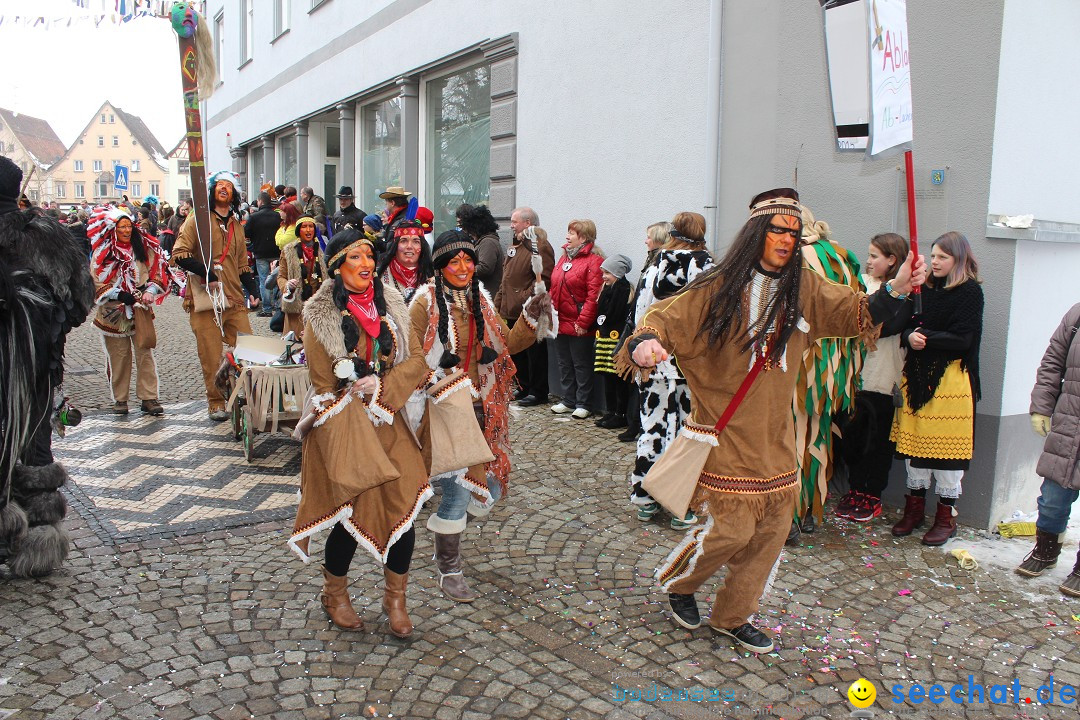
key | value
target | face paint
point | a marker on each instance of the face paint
(459, 271)
(358, 269)
(780, 246)
(408, 251)
(123, 231)
(223, 192)
(306, 232)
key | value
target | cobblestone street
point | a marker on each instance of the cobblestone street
(181, 600)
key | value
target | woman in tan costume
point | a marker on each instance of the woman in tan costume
(301, 271)
(362, 475)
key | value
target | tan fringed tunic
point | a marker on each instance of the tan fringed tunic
(361, 464)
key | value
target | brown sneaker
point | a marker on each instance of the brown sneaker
(119, 408)
(152, 407)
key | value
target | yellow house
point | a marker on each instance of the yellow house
(112, 137)
(31, 144)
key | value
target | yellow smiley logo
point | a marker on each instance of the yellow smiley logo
(862, 693)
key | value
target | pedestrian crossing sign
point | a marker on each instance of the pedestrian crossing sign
(120, 179)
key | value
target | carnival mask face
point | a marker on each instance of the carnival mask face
(781, 241)
(223, 191)
(306, 232)
(408, 251)
(123, 231)
(358, 269)
(459, 271)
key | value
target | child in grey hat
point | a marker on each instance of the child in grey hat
(613, 308)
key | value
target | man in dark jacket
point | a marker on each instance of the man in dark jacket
(349, 214)
(259, 231)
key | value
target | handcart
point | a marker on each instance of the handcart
(269, 387)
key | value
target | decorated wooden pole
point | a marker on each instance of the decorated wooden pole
(185, 21)
(916, 292)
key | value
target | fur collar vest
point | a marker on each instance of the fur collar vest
(324, 317)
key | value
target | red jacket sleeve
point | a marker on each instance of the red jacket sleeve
(594, 280)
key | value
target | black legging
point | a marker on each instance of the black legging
(341, 546)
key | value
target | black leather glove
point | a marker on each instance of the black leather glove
(126, 298)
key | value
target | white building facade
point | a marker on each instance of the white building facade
(628, 112)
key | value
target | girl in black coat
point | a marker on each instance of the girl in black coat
(613, 309)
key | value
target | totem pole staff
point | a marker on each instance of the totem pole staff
(197, 72)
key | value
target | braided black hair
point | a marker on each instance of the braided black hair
(448, 359)
(726, 317)
(350, 329)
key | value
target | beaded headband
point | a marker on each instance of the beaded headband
(345, 250)
(449, 250)
(777, 206)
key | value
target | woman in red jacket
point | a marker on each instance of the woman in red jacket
(575, 286)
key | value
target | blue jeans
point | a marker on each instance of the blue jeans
(455, 497)
(1055, 502)
(269, 297)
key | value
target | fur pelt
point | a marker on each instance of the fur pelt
(28, 479)
(44, 508)
(292, 263)
(324, 317)
(42, 550)
(13, 527)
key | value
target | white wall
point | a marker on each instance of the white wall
(1036, 145)
(610, 114)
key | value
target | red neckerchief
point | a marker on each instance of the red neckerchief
(309, 253)
(362, 308)
(404, 276)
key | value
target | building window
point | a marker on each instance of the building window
(1, 146)
(183, 166)
(219, 40)
(78, 166)
(258, 165)
(183, 194)
(315, 4)
(116, 141)
(80, 190)
(247, 30)
(112, 118)
(102, 189)
(136, 189)
(61, 191)
(102, 118)
(333, 141)
(380, 158)
(458, 142)
(287, 153)
(101, 141)
(134, 166)
(155, 188)
(282, 11)
(34, 195)
(97, 166)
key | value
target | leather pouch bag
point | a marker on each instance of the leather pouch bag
(457, 442)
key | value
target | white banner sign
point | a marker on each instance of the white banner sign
(890, 76)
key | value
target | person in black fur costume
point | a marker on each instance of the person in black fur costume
(45, 291)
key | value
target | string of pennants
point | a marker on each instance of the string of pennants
(45, 15)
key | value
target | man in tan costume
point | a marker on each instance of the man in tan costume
(218, 269)
(755, 305)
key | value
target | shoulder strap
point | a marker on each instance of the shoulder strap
(737, 399)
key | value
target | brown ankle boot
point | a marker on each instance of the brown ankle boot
(448, 560)
(335, 601)
(914, 515)
(1071, 586)
(944, 526)
(394, 603)
(1043, 556)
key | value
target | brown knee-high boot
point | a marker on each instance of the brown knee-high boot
(394, 603)
(448, 560)
(335, 601)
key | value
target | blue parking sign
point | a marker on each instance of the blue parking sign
(120, 177)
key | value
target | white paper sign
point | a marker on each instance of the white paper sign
(890, 75)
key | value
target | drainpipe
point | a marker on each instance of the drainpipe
(713, 99)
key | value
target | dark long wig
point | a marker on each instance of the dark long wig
(425, 270)
(450, 359)
(727, 315)
(138, 247)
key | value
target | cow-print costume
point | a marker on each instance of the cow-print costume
(665, 399)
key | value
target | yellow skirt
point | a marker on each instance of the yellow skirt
(942, 429)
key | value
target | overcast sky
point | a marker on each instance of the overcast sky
(63, 74)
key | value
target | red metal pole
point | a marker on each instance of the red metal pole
(916, 292)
